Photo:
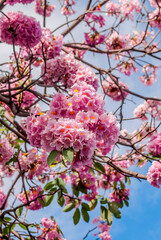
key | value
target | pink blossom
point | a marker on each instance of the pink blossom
(94, 38)
(67, 9)
(154, 145)
(40, 5)
(33, 196)
(112, 8)
(154, 174)
(115, 89)
(155, 19)
(12, 2)
(149, 77)
(119, 195)
(127, 68)
(35, 125)
(49, 46)
(61, 69)
(33, 163)
(2, 198)
(155, 3)
(6, 150)
(50, 230)
(12, 29)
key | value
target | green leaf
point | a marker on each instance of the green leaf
(60, 199)
(68, 154)
(75, 191)
(92, 204)
(68, 207)
(109, 217)
(22, 226)
(86, 206)
(6, 230)
(122, 185)
(104, 213)
(48, 200)
(8, 219)
(126, 203)
(51, 157)
(49, 185)
(85, 214)
(103, 201)
(82, 188)
(118, 214)
(76, 216)
(19, 211)
(99, 166)
(113, 207)
(61, 184)
(52, 190)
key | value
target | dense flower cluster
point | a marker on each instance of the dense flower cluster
(32, 200)
(40, 5)
(33, 163)
(48, 47)
(12, 2)
(155, 19)
(83, 177)
(61, 68)
(154, 146)
(67, 9)
(150, 76)
(12, 29)
(119, 195)
(149, 107)
(6, 151)
(115, 89)
(103, 227)
(2, 198)
(154, 174)
(125, 8)
(50, 230)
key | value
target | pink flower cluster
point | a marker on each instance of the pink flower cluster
(155, 3)
(116, 42)
(119, 195)
(154, 146)
(6, 150)
(40, 5)
(83, 177)
(33, 163)
(62, 68)
(150, 76)
(127, 68)
(67, 9)
(151, 107)
(12, 2)
(93, 39)
(65, 70)
(115, 89)
(103, 227)
(50, 230)
(155, 18)
(49, 46)
(106, 181)
(66, 133)
(154, 174)
(12, 30)
(33, 196)
(125, 8)
(2, 198)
